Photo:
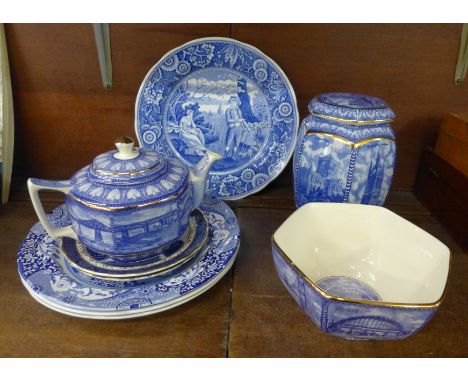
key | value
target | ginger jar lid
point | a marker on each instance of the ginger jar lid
(128, 176)
(351, 108)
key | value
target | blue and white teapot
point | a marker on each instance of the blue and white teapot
(128, 201)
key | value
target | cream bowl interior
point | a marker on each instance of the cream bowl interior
(397, 259)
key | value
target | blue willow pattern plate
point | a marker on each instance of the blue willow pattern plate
(225, 96)
(50, 278)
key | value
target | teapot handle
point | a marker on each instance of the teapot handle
(34, 186)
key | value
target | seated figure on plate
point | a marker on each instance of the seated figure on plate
(191, 135)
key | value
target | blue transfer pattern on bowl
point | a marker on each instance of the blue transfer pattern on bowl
(351, 320)
(225, 96)
(348, 287)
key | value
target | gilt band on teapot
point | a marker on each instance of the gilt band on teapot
(121, 208)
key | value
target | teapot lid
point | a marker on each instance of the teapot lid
(128, 176)
(127, 164)
(351, 108)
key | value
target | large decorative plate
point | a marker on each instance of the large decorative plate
(53, 282)
(225, 96)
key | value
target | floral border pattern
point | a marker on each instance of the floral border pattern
(46, 272)
(251, 63)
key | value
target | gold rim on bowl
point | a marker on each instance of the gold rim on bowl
(357, 301)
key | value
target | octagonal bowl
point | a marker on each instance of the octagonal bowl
(359, 271)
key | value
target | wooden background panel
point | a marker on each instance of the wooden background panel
(411, 66)
(64, 117)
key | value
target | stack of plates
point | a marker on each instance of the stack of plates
(140, 266)
(212, 94)
(53, 278)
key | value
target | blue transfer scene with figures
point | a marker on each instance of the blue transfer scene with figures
(227, 97)
(145, 229)
(348, 319)
(213, 110)
(345, 161)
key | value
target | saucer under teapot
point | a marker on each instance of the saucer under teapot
(161, 262)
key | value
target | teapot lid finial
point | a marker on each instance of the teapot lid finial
(125, 147)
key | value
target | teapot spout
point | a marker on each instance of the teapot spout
(199, 174)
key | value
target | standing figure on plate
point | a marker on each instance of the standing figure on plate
(235, 122)
(158, 96)
(191, 135)
(251, 131)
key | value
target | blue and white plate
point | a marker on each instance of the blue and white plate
(225, 96)
(51, 280)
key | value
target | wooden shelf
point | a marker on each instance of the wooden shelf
(248, 313)
(444, 191)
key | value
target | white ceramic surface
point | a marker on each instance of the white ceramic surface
(361, 271)
(398, 260)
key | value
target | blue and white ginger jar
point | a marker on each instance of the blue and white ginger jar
(345, 150)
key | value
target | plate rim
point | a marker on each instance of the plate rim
(141, 312)
(155, 308)
(288, 83)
